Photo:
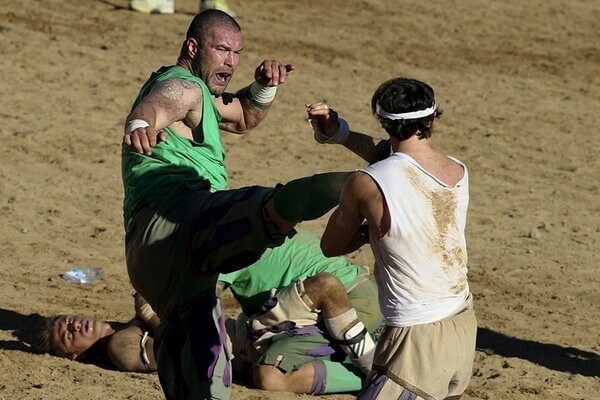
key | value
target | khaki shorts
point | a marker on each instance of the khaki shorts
(434, 360)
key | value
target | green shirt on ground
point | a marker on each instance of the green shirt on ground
(178, 159)
(297, 258)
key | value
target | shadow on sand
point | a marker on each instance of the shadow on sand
(552, 356)
(23, 328)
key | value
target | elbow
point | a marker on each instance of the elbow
(238, 129)
(329, 250)
(243, 130)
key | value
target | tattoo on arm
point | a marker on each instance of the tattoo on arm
(170, 95)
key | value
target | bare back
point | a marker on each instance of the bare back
(436, 163)
(440, 166)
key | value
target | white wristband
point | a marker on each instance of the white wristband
(146, 313)
(262, 94)
(145, 358)
(340, 136)
(135, 124)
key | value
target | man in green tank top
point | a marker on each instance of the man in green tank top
(183, 225)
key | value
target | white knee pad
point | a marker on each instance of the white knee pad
(359, 346)
(292, 308)
(353, 337)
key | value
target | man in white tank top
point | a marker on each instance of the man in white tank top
(410, 204)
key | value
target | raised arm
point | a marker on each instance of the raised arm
(248, 107)
(329, 128)
(169, 101)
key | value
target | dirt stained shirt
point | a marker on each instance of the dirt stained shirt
(421, 263)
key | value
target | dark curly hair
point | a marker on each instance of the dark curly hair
(401, 95)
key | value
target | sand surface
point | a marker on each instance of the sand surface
(520, 86)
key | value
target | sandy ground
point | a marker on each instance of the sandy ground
(520, 86)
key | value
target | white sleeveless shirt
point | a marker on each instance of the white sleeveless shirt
(421, 263)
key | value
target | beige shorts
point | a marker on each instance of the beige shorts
(434, 361)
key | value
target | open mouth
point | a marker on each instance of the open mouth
(222, 77)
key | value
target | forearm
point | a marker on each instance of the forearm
(328, 128)
(254, 108)
(366, 147)
(147, 314)
(242, 111)
(144, 112)
(153, 323)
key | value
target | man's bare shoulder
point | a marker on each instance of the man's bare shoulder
(176, 89)
(362, 185)
(132, 330)
(123, 348)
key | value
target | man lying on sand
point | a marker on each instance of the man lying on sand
(126, 346)
(291, 348)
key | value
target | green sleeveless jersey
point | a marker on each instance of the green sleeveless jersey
(295, 259)
(178, 159)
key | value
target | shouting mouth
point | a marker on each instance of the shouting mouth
(222, 78)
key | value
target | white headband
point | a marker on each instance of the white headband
(408, 115)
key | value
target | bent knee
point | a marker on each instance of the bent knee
(268, 377)
(324, 281)
(324, 287)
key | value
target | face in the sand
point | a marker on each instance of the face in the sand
(74, 334)
(218, 57)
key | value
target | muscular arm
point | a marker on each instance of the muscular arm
(169, 101)
(242, 111)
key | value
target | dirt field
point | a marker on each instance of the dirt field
(520, 86)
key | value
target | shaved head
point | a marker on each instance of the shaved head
(204, 23)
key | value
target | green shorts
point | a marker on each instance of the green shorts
(289, 350)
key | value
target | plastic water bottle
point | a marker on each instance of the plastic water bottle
(82, 275)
